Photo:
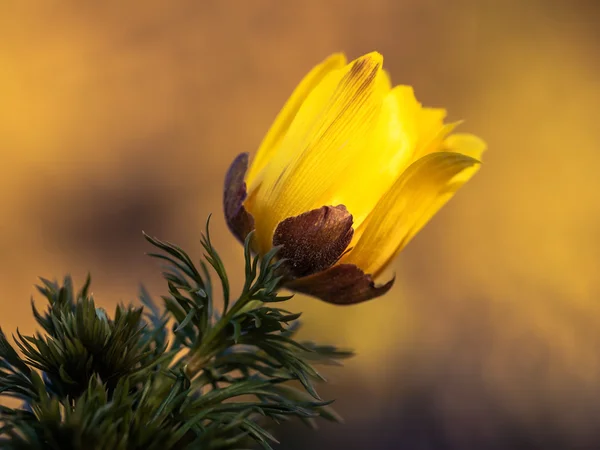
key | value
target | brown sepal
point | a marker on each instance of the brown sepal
(239, 221)
(315, 240)
(344, 284)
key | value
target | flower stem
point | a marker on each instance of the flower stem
(212, 340)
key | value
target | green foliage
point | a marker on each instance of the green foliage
(188, 375)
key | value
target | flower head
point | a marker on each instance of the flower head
(349, 172)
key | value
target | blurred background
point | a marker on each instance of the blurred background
(118, 117)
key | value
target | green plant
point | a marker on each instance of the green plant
(187, 375)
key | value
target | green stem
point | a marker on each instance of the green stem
(197, 358)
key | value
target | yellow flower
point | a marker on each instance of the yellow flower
(349, 172)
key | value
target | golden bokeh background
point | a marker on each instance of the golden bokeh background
(118, 117)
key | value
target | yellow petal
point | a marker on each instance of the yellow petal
(415, 197)
(431, 131)
(466, 144)
(386, 80)
(389, 151)
(405, 132)
(333, 125)
(285, 117)
(430, 121)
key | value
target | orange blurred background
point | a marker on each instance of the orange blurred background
(118, 117)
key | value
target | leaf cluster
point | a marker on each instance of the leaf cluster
(184, 375)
